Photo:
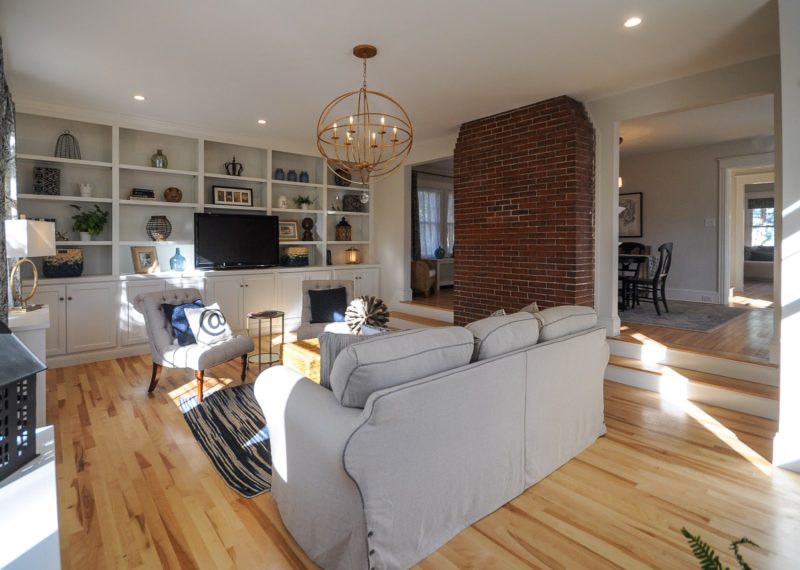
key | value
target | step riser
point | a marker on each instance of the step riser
(700, 362)
(702, 393)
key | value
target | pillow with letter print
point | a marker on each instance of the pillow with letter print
(208, 324)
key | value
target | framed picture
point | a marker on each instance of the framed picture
(145, 259)
(225, 196)
(630, 219)
(288, 231)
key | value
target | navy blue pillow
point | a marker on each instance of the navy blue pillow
(176, 315)
(328, 305)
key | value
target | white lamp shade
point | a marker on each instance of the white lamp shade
(30, 238)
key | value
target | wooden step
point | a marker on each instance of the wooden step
(422, 321)
(722, 382)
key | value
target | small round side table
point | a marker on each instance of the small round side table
(270, 357)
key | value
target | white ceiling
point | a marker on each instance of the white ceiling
(222, 65)
(708, 125)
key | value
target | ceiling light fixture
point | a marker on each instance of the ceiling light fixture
(364, 135)
(633, 22)
(262, 121)
(139, 97)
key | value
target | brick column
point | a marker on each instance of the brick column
(524, 209)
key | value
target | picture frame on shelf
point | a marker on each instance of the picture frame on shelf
(145, 259)
(630, 219)
(227, 196)
(288, 231)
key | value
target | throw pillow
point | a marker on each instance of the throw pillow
(330, 345)
(498, 335)
(176, 317)
(208, 324)
(498, 313)
(533, 308)
(557, 322)
(328, 305)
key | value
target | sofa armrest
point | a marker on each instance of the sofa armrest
(318, 501)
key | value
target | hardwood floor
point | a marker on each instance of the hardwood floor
(136, 491)
(747, 338)
(441, 299)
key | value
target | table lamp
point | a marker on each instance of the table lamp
(24, 239)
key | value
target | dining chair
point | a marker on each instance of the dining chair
(652, 287)
(629, 269)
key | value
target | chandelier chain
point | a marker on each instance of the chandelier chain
(365, 72)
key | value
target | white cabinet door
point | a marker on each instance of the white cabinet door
(319, 275)
(93, 311)
(368, 282)
(290, 294)
(228, 292)
(259, 293)
(132, 324)
(54, 296)
(348, 275)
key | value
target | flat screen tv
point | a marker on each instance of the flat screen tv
(229, 241)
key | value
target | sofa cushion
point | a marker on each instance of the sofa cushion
(330, 345)
(392, 359)
(176, 317)
(498, 335)
(562, 321)
(208, 324)
(328, 305)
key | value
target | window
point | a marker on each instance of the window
(436, 217)
(762, 230)
(761, 220)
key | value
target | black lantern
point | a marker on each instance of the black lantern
(17, 403)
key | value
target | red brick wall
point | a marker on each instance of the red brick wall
(524, 209)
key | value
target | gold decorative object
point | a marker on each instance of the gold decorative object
(364, 135)
(352, 256)
(25, 239)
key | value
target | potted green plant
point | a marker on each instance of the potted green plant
(303, 202)
(89, 223)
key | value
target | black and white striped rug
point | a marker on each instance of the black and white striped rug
(231, 429)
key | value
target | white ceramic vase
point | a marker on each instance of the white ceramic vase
(86, 236)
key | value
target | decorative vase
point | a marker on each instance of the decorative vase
(308, 227)
(85, 190)
(86, 236)
(177, 262)
(439, 252)
(173, 194)
(283, 202)
(280, 174)
(304, 206)
(344, 231)
(304, 176)
(67, 147)
(159, 159)
(158, 228)
(291, 176)
(234, 168)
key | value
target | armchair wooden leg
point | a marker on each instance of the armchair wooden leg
(198, 374)
(155, 377)
(244, 365)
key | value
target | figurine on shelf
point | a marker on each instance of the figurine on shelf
(308, 227)
(234, 168)
(283, 202)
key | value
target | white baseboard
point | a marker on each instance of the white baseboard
(696, 295)
(96, 355)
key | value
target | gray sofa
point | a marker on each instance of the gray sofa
(427, 431)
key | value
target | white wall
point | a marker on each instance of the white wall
(757, 77)
(680, 192)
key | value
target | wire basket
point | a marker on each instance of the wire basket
(67, 146)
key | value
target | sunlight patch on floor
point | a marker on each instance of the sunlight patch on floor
(211, 384)
(674, 388)
(653, 351)
(740, 299)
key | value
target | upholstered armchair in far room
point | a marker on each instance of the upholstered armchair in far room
(167, 352)
(423, 277)
(309, 329)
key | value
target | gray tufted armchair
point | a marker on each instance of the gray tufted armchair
(167, 352)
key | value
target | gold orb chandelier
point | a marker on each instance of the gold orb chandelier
(364, 135)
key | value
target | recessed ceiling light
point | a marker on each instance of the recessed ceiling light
(262, 121)
(633, 22)
(139, 97)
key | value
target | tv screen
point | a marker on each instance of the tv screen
(229, 241)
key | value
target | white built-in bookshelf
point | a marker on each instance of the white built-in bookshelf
(116, 159)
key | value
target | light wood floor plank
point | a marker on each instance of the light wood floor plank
(136, 491)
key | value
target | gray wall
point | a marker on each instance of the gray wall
(680, 192)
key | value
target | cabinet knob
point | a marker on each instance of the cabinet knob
(69, 298)
(240, 285)
(61, 298)
(247, 285)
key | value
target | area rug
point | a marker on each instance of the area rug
(703, 317)
(231, 430)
